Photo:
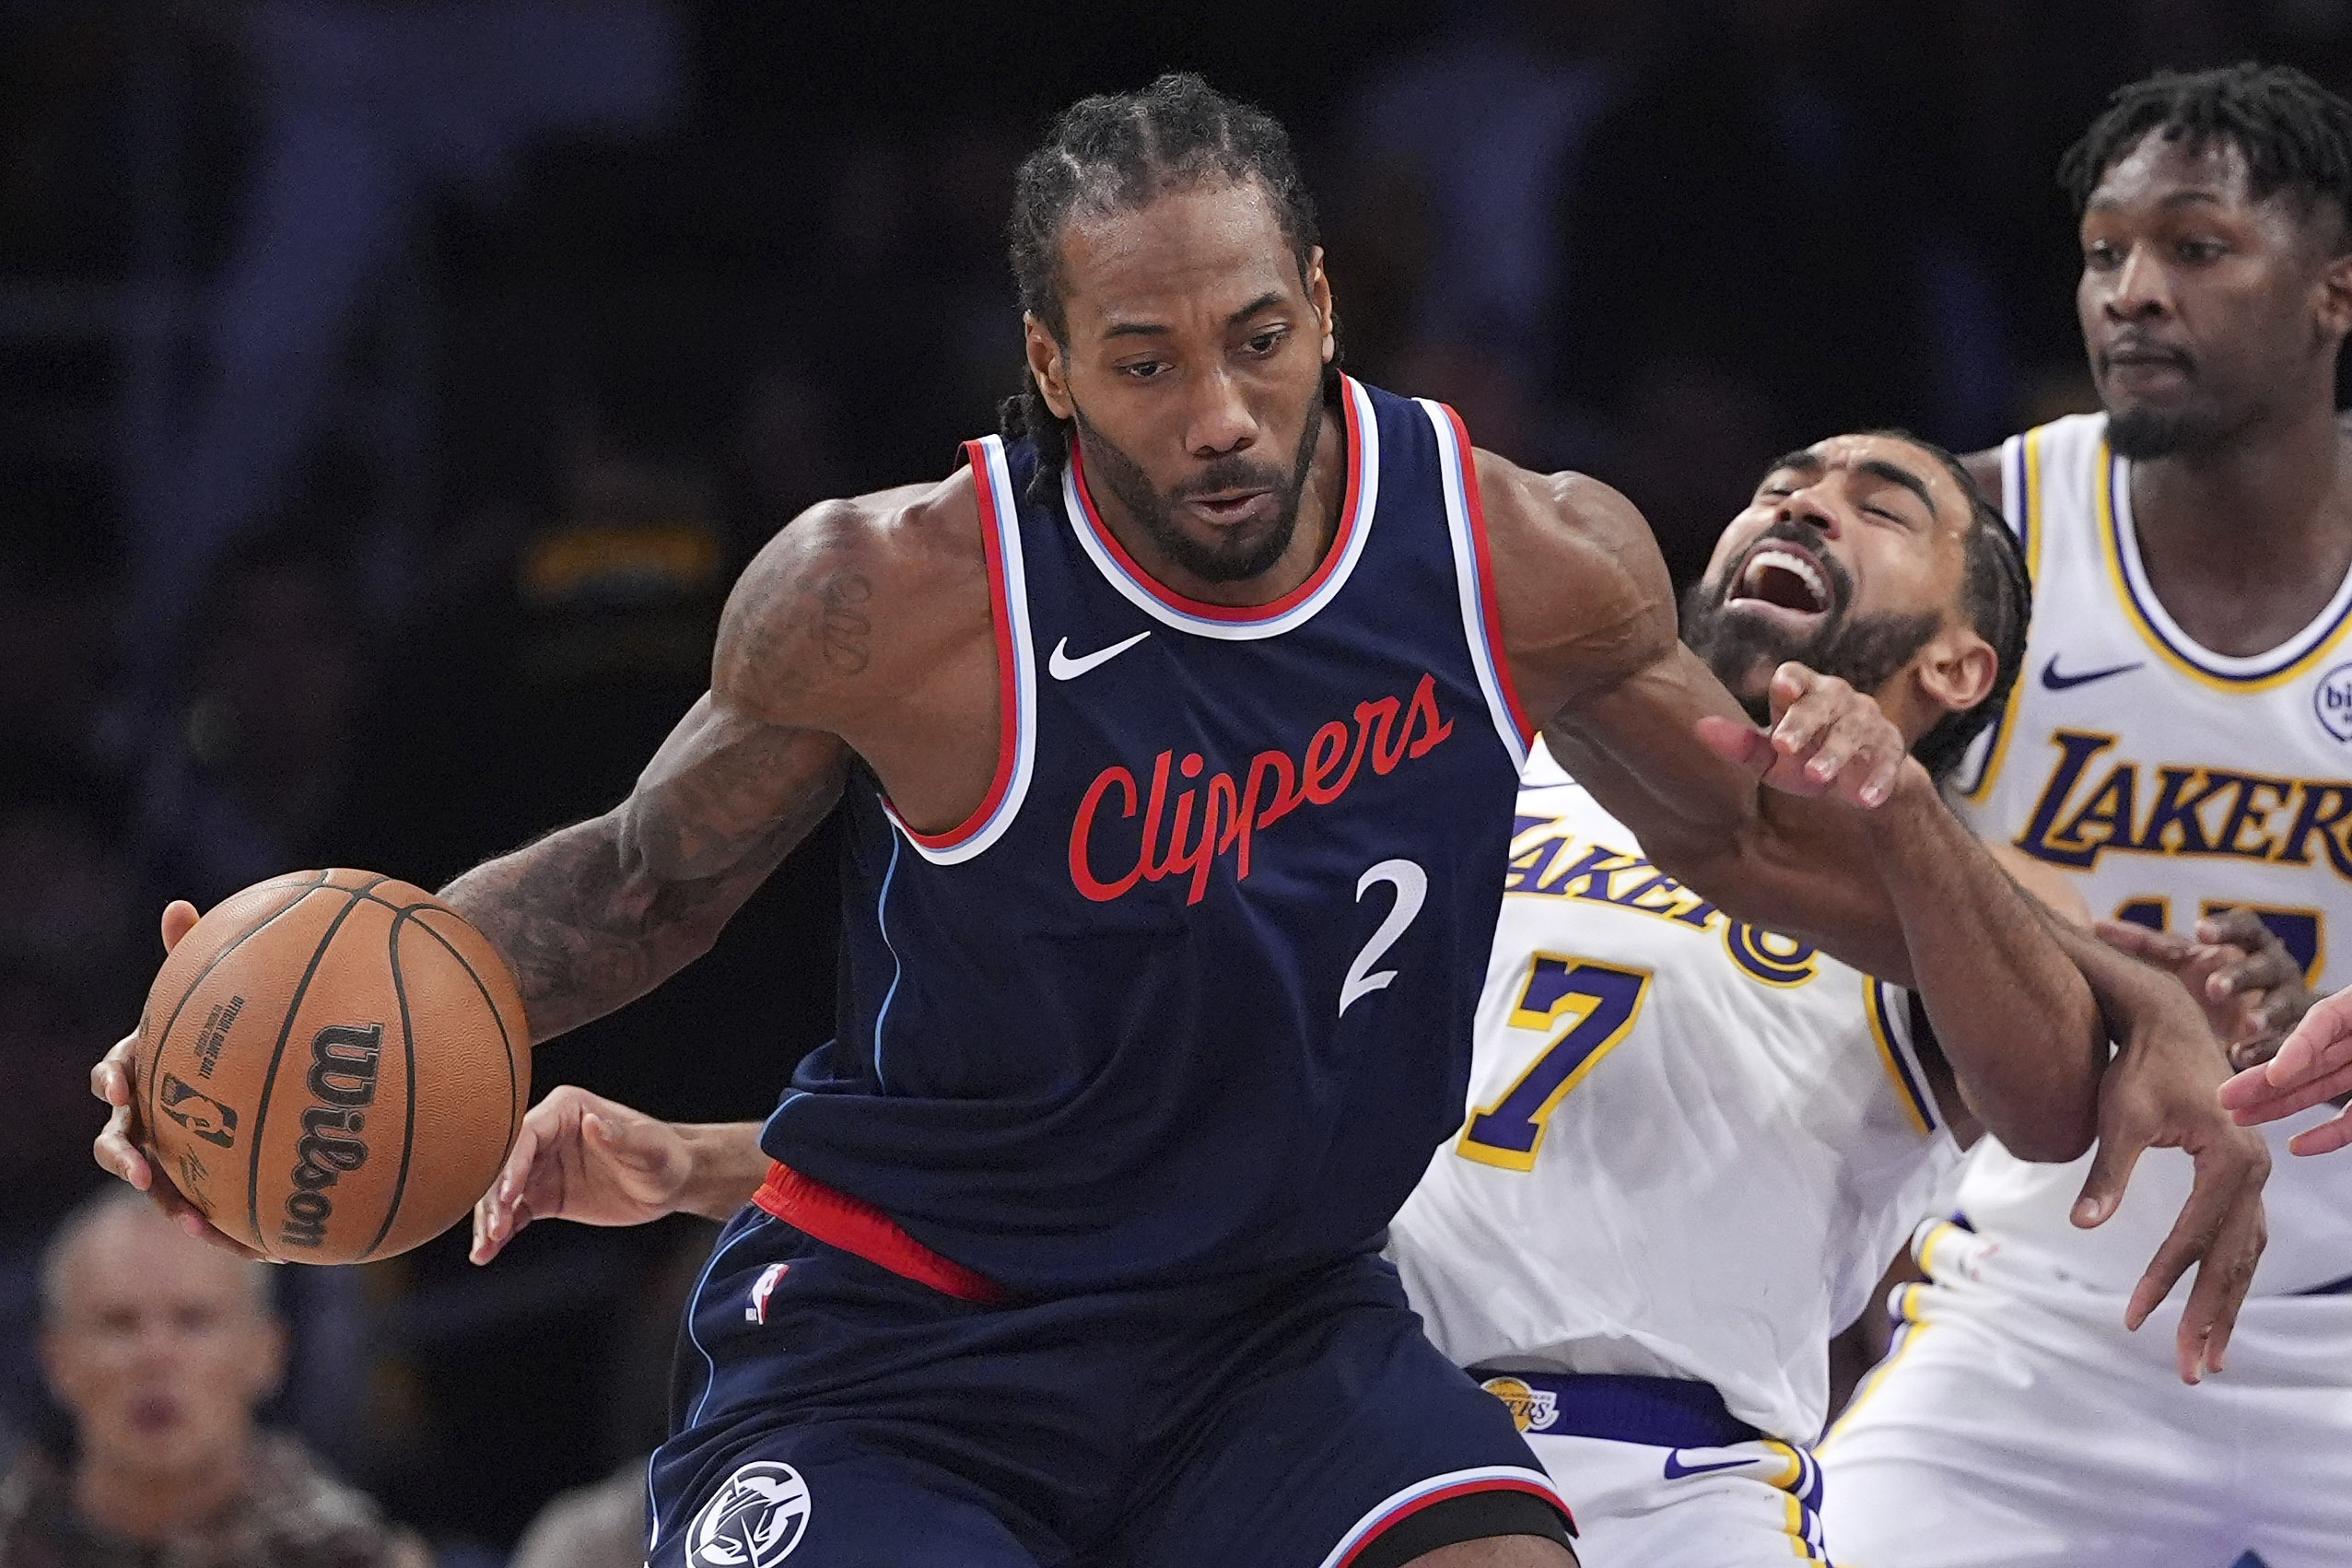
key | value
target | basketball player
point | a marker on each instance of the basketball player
(1693, 1145)
(2181, 745)
(1177, 735)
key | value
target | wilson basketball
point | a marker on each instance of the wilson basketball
(332, 1066)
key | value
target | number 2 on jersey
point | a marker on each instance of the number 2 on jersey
(1599, 1003)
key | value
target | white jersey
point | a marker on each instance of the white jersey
(1693, 1145)
(2167, 781)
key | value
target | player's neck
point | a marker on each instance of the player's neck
(2245, 544)
(1318, 521)
(147, 1506)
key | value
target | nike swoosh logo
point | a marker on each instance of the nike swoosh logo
(2052, 681)
(1676, 1469)
(1065, 667)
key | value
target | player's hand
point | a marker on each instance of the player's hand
(1826, 739)
(584, 1158)
(120, 1146)
(2313, 1066)
(2250, 987)
(2160, 1092)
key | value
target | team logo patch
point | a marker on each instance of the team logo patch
(764, 1288)
(759, 1516)
(2332, 701)
(1532, 1409)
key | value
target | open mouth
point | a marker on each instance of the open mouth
(1783, 577)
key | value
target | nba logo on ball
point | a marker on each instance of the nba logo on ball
(756, 1519)
(2333, 702)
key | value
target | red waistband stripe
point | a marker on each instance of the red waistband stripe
(856, 1226)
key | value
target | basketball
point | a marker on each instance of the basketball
(332, 1066)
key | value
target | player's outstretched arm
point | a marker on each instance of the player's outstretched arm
(596, 1161)
(595, 915)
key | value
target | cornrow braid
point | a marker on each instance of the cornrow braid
(2296, 135)
(1116, 152)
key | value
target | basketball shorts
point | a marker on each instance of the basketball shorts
(834, 1411)
(2015, 1421)
(1658, 1471)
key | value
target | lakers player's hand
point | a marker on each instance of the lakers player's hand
(2312, 1067)
(584, 1158)
(2250, 987)
(1826, 739)
(2159, 1093)
(120, 1146)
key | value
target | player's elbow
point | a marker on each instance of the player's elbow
(2052, 1126)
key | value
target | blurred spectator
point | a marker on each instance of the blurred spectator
(363, 108)
(161, 1349)
(1449, 262)
(261, 778)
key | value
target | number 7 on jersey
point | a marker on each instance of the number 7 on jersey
(1599, 1003)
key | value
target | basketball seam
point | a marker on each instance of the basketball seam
(155, 1063)
(286, 1030)
(408, 1048)
(514, 1110)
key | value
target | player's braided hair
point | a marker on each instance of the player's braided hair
(1998, 597)
(1116, 152)
(2296, 135)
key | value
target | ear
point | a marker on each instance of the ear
(2336, 297)
(1318, 294)
(1046, 363)
(1957, 669)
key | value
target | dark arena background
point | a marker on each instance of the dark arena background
(389, 393)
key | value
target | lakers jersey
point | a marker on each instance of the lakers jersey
(1692, 1148)
(2168, 782)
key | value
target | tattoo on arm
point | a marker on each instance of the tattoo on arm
(593, 915)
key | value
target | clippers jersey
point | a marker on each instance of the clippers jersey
(2167, 781)
(1693, 1147)
(1189, 994)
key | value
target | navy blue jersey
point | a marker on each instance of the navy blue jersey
(1190, 993)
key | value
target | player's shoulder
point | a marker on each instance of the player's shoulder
(850, 589)
(1584, 593)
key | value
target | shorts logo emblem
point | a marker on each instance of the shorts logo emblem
(757, 1517)
(1676, 1469)
(762, 1289)
(1532, 1409)
(199, 1113)
(2331, 702)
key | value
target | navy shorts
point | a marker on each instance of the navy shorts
(837, 1413)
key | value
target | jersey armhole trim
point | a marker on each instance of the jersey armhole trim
(1016, 670)
(1890, 1031)
(2021, 506)
(1474, 579)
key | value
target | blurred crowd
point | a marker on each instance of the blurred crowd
(389, 392)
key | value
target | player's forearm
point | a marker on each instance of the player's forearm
(727, 1165)
(595, 915)
(2014, 1015)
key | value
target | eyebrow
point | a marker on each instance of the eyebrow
(1895, 473)
(1801, 458)
(1804, 461)
(1272, 297)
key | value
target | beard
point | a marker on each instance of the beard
(1864, 652)
(1232, 559)
(2138, 433)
